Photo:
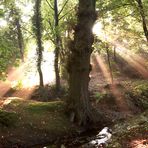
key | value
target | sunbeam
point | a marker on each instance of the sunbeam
(137, 62)
(120, 101)
(134, 60)
(103, 68)
(26, 74)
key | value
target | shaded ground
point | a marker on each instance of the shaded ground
(35, 123)
(32, 124)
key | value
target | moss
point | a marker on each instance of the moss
(7, 118)
(39, 107)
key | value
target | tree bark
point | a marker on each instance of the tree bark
(79, 64)
(141, 10)
(38, 29)
(57, 47)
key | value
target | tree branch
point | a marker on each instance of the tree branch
(65, 14)
(63, 7)
(49, 5)
(50, 25)
(31, 34)
(115, 7)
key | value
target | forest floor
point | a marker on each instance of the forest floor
(121, 102)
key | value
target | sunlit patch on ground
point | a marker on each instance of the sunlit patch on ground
(10, 99)
(139, 143)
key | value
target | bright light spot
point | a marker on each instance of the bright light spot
(6, 102)
(3, 23)
(10, 99)
(27, 10)
(31, 77)
(1, 6)
(25, 19)
(97, 28)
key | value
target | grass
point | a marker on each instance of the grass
(38, 107)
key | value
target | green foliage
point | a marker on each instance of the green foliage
(17, 85)
(8, 51)
(139, 94)
(98, 96)
(141, 89)
(1, 13)
(122, 22)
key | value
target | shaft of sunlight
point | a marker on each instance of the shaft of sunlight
(103, 68)
(136, 61)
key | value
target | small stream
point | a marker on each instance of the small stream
(77, 141)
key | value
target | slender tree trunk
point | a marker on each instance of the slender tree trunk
(38, 29)
(115, 58)
(20, 39)
(57, 47)
(79, 64)
(141, 10)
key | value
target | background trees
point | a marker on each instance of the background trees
(37, 27)
(56, 18)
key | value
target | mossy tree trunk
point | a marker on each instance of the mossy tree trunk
(79, 64)
(37, 22)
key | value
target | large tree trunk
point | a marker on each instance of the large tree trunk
(38, 29)
(79, 64)
(57, 47)
(20, 39)
(141, 10)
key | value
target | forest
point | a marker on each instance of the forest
(73, 74)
